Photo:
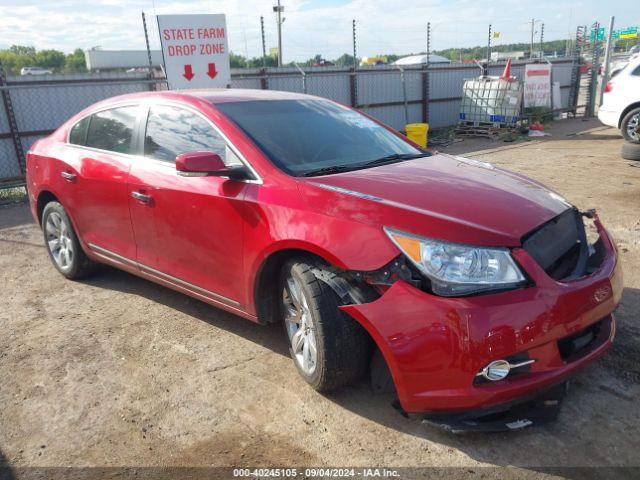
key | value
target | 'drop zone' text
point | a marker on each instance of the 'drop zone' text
(192, 49)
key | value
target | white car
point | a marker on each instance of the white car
(35, 71)
(621, 103)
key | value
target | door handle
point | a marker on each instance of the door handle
(141, 197)
(68, 176)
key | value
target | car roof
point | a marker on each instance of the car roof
(213, 96)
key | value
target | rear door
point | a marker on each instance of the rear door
(188, 230)
(96, 179)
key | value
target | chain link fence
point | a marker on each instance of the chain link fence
(38, 105)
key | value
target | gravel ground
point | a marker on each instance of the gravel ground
(117, 371)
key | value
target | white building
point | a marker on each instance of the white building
(110, 59)
(422, 58)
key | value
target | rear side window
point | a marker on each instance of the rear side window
(636, 72)
(78, 133)
(112, 129)
(173, 130)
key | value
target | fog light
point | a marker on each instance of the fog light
(496, 370)
(499, 369)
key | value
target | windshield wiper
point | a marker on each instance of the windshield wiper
(328, 170)
(394, 157)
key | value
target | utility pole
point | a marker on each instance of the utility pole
(533, 27)
(607, 57)
(264, 45)
(279, 9)
(541, 37)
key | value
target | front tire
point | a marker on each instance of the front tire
(329, 348)
(62, 243)
(630, 126)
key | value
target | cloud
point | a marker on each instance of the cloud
(311, 26)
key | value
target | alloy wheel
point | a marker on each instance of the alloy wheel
(59, 241)
(633, 127)
(299, 326)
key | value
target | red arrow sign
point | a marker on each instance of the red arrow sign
(188, 72)
(212, 70)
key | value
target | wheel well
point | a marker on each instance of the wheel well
(627, 110)
(43, 198)
(266, 289)
(266, 296)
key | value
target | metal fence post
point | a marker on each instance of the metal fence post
(13, 124)
(404, 95)
(304, 78)
(425, 93)
(353, 87)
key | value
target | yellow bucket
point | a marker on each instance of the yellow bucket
(417, 132)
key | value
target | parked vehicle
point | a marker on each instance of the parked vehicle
(35, 71)
(621, 102)
(472, 289)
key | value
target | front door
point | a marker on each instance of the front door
(188, 230)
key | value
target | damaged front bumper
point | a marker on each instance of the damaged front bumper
(435, 346)
(537, 409)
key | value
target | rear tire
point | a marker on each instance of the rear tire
(329, 348)
(62, 243)
(630, 126)
(630, 151)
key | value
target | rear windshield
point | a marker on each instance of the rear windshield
(301, 136)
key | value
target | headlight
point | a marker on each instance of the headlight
(455, 269)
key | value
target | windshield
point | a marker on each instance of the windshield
(303, 137)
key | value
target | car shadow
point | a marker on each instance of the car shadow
(570, 431)
(269, 336)
(6, 472)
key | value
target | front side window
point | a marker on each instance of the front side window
(173, 130)
(112, 129)
(303, 137)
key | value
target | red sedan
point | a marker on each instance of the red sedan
(470, 291)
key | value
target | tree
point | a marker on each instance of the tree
(52, 59)
(75, 62)
(21, 50)
(237, 61)
(345, 60)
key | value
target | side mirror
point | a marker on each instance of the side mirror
(202, 164)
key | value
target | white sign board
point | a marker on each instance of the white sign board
(195, 50)
(537, 85)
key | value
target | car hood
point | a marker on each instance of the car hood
(440, 196)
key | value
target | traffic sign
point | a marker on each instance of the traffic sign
(195, 50)
(630, 32)
(597, 35)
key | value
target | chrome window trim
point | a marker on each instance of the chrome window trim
(148, 104)
(229, 143)
(98, 110)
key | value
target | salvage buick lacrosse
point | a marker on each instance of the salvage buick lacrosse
(471, 292)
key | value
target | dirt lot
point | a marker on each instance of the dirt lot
(117, 371)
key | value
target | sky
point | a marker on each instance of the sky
(311, 26)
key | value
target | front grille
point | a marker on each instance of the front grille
(560, 246)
